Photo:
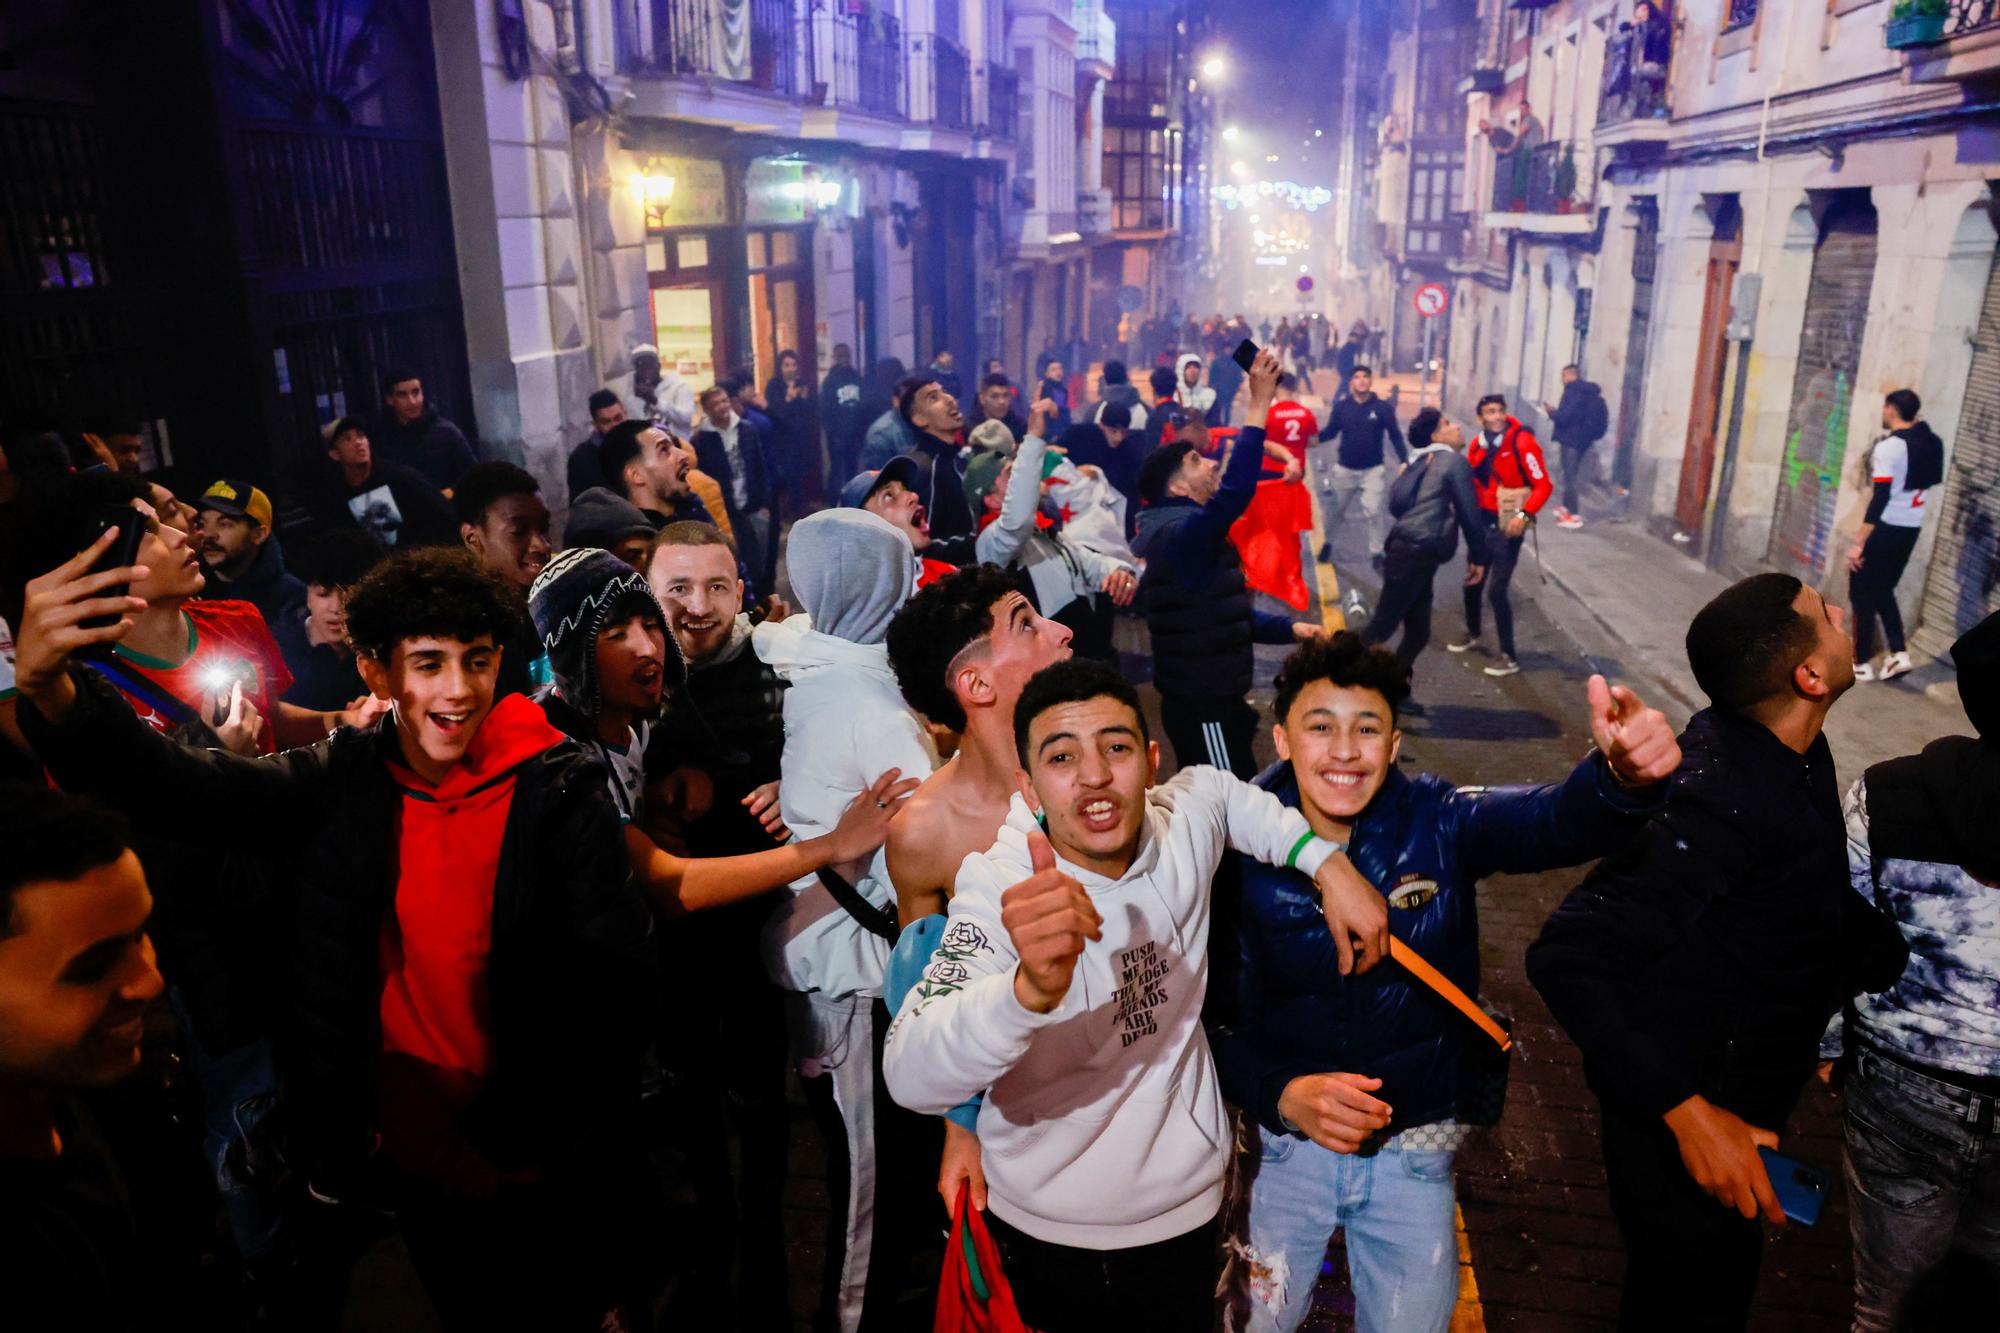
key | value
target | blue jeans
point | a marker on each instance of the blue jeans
(1923, 1195)
(1399, 1210)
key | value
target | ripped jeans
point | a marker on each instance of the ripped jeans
(1399, 1211)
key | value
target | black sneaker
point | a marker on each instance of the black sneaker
(1326, 553)
(1411, 708)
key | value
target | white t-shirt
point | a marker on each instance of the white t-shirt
(1891, 463)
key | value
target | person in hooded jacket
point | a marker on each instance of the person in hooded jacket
(469, 976)
(1363, 1087)
(846, 724)
(1189, 391)
(412, 433)
(1577, 422)
(1922, 1059)
(1902, 468)
(615, 666)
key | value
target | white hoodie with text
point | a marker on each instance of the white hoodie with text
(1103, 1126)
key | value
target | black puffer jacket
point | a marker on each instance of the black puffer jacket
(571, 975)
(1707, 956)
(1197, 605)
(727, 720)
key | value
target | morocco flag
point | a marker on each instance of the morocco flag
(1267, 536)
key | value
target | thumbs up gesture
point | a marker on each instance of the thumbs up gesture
(1049, 917)
(1635, 740)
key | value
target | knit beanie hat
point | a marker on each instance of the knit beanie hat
(580, 592)
(602, 518)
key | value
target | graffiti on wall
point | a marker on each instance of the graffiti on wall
(1809, 486)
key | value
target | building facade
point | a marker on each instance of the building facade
(1747, 221)
(507, 198)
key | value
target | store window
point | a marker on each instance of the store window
(687, 299)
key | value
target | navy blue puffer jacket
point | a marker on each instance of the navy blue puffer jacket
(1278, 1006)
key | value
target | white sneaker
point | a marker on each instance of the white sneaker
(1506, 666)
(1356, 608)
(1897, 664)
(1569, 521)
(1463, 646)
(1863, 671)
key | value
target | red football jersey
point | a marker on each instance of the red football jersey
(1293, 426)
(223, 637)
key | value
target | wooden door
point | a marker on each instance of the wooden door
(1705, 408)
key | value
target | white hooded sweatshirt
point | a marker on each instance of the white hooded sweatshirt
(1200, 397)
(1103, 1126)
(845, 725)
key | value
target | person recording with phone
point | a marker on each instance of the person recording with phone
(209, 667)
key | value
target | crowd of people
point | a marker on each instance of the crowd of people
(445, 884)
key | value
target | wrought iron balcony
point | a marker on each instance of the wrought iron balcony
(1539, 179)
(859, 57)
(951, 85)
(686, 37)
(1003, 102)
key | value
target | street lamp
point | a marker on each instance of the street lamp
(1230, 134)
(1213, 67)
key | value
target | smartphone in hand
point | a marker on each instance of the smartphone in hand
(1801, 1189)
(1245, 355)
(131, 526)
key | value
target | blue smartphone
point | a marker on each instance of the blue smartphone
(1801, 1189)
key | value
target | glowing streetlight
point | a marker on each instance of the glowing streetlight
(1213, 67)
(1239, 169)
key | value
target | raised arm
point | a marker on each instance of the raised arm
(677, 885)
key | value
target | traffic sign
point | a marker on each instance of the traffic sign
(1305, 284)
(1431, 300)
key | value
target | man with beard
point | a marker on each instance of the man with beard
(240, 553)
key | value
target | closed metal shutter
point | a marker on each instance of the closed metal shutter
(1965, 562)
(1823, 391)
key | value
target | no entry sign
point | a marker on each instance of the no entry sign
(1431, 300)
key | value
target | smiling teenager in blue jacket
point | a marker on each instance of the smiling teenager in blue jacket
(1360, 1084)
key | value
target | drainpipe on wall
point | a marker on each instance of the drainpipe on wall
(1745, 292)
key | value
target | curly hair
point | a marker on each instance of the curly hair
(435, 591)
(1346, 661)
(935, 626)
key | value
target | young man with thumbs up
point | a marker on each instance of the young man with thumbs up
(1362, 1089)
(1068, 987)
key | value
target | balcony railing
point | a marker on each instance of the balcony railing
(1637, 70)
(1539, 179)
(1096, 35)
(951, 85)
(690, 37)
(1003, 102)
(860, 58)
(1922, 22)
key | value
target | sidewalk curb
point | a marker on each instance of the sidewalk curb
(1656, 680)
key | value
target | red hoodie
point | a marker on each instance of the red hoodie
(437, 1036)
(1517, 462)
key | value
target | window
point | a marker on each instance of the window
(1742, 13)
(1135, 167)
(1436, 177)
